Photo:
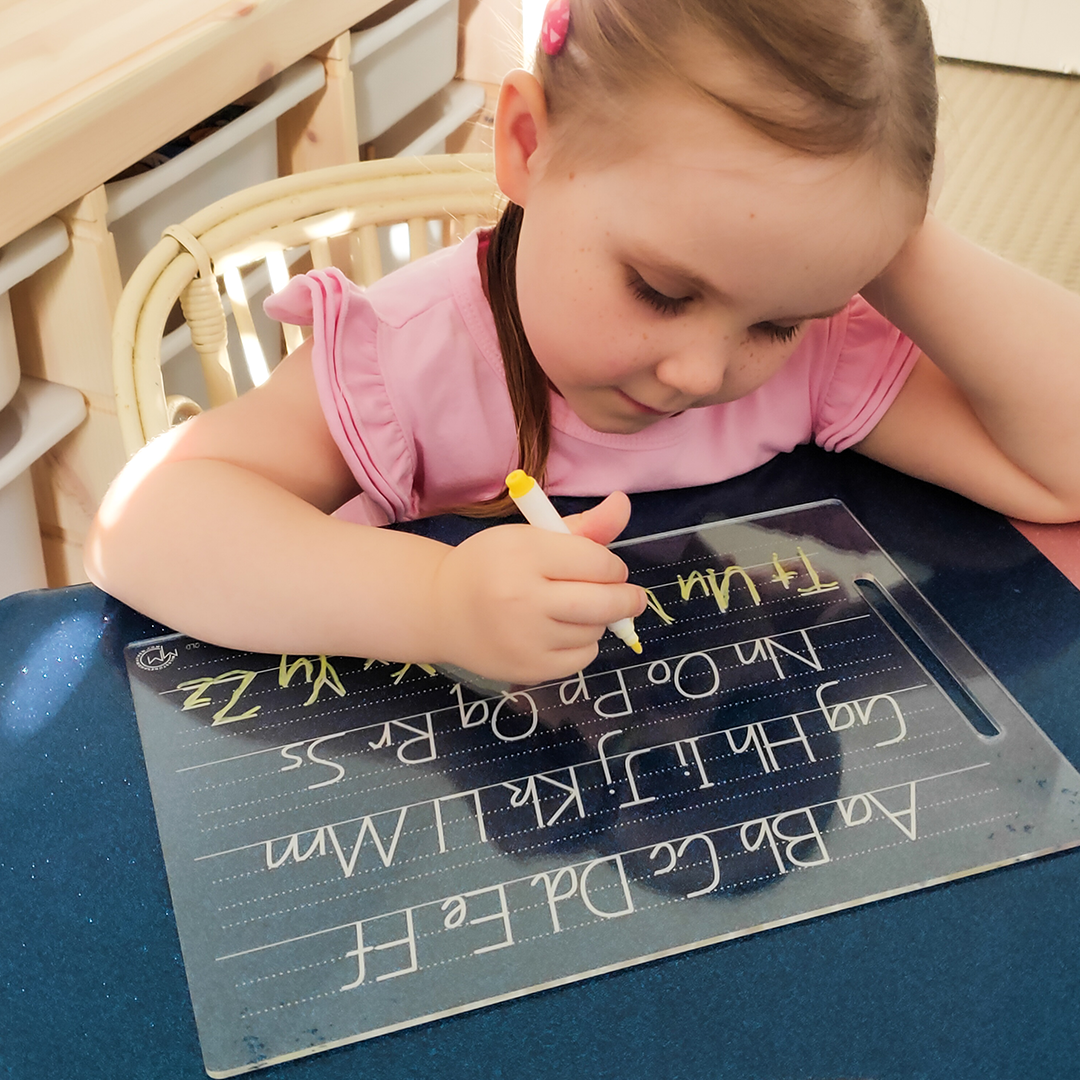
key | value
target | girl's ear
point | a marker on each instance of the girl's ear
(521, 134)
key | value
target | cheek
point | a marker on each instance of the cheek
(759, 360)
(542, 306)
(572, 312)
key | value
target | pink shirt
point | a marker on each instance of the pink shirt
(411, 381)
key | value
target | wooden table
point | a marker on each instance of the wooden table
(89, 86)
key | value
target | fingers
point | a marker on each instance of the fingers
(576, 558)
(585, 584)
(520, 604)
(554, 664)
(602, 523)
(591, 605)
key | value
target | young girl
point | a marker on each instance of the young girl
(717, 247)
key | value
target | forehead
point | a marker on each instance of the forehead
(739, 209)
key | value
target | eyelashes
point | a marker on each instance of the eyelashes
(658, 301)
(778, 332)
(675, 305)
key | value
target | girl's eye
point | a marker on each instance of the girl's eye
(778, 332)
(661, 302)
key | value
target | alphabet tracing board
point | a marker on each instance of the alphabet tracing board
(355, 847)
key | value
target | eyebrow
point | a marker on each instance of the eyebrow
(821, 314)
(657, 261)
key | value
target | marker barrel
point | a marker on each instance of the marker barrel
(537, 510)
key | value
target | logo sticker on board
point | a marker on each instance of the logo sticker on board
(155, 657)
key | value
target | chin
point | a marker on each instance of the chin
(622, 425)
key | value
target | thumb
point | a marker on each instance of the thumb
(604, 522)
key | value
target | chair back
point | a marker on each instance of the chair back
(258, 238)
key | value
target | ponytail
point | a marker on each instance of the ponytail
(525, 379)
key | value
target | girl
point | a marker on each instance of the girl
(717, 247)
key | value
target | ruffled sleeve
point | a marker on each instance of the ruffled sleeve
(870, 361)
(352, 391)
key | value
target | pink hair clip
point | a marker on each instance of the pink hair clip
(555, 27)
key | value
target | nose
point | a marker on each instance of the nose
(697, 369)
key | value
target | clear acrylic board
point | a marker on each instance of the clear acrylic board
(354, 847)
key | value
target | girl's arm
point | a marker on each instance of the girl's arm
(221, 528)
(996, 414)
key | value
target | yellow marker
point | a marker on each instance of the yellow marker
(537, 510)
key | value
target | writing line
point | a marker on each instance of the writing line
(521, 779)
(538, 686)
(616, 854)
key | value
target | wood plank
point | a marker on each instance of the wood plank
(68, 144)
(48, 51)
(63, 323)
(321, 130)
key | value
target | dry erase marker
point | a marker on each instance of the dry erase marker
(537, 510)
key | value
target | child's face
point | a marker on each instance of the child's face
(683, 275)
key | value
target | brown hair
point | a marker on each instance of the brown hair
(525, 379)
(840, 76)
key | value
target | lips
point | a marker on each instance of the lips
(646, 410)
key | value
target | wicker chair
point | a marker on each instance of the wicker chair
(320, 218)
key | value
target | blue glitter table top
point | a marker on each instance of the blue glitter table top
(976, 978)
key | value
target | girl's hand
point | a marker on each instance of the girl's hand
(519, 604)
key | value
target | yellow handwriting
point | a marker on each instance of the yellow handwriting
(722, 592)
(686, 584)
(656, 606)
(327, 676)
(782, 575)
(819, 586)
(398, 675)
(718, 587)
(197, 698)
